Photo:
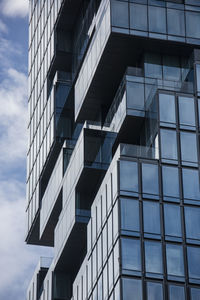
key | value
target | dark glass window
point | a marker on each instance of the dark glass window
(157, 19)
(191, 184)
(119, 14)
(193, 24)
(167, 108)
(188, 147)
(170, 182)
(154, 291)
(131, 287)
(150, 179)
(176, 292)
(153, 258)
(186, 111)
(168, 144)
(193, 264)
(153, 66)
(175, 22)
(172, 219)
(135, 95)
(192, 222)
(129, 214)
(175, 262)
(171, 68)
(128, 176)
(131, 252)
(138, 16)
(151, 217)
(195, 294)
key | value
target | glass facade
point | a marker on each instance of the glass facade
(113, 155)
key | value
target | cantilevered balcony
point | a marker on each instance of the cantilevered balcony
(121, 38)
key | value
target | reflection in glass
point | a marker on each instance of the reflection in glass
(153, 257)
(129, 214)
(171, 68)
(193, 24)
(192, 222)
(193, 263)
(170, 182)
(157, 19)
(172, 219)
(195, 293)
(167, 108)
(176, 292)
(131, 287)
(168, 144)
(175, 22)
(119, 14)
(135, 95)
(188, 147)
(186, 111)
(154, 291)
(138, 16)
(175, 263)
(191, 184)
(151, 217)
(128, 176)
(150, 179)
(131, 254)
(153, 66)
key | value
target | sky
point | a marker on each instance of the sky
(17, 260)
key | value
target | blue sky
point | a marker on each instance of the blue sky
(17, 260)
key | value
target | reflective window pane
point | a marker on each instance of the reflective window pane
(150, 179)
(193, 24)
(175, 263)
(193, 254)
(192, 222)
(176, 292)
(153, 66)
(131, 252)
(157, 19)
(153, 257)
(138, 16)
(168, 144)
(129, 214)
(167, 108)
(119, 14)
(191, 184)
(171, 68)
(175, 22)
(195, 294)
(170, 182)
(131, 287)
(186, 111)
(128, 176)
(188, 147)
(154, 291)
(151, 217)
(172, 220)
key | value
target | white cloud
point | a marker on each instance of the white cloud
(17, 259)
(3, 27)
(14, 8)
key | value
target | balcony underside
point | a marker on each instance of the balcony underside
(121, 50)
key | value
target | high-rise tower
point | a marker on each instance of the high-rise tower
(113, 158)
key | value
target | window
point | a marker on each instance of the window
(135, 95)
(153, 66)
(154, 291)
(186, 112)
(150, 180)
(168, 144)
(188, 147)
(191, 184)
(157, 19)
(138, 17)
(175, 22)
(193, 264)
(175, 262)
(172, 220)
(119, 14)
(131, 252)
(193, 24)
(153, 259)
(176, 292)
(131, 287)
(128, 176)
(170, 179)
(192, 223)
(129, 214)
(195, 294)
(171, 68)
(167, 108)
(151, 217)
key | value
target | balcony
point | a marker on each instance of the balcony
(113, 47)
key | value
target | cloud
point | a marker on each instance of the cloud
(3, 27)
(14, 8)
(17, 259)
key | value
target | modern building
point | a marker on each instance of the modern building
(113, 158)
